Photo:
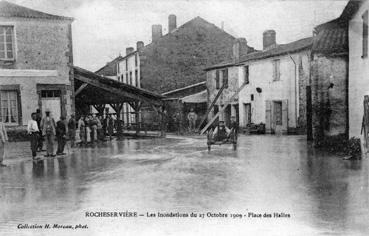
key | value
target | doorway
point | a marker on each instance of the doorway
(50, 99)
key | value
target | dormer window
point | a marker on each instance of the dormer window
(6, 43)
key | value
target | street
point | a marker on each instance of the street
(321, 193)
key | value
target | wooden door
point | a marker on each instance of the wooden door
(247, 117)
(280, 117)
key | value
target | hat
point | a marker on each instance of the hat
(47, 110)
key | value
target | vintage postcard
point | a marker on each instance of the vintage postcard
(184, 117)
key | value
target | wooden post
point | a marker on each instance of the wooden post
(100, 108)
(136, 106)
(118, 108)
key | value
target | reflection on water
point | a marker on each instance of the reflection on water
(323, 193)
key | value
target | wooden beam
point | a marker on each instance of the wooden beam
(223, 108)
(79, 90)
(117, 91)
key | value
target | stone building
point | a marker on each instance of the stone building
(328, 86)
(274, 91)
(110, 70)
(35, 55)
(178, 59)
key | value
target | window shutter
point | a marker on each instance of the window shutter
(365, 34)
(284, 116)
(217, 79)
(268, 114)
(225, 78)
(247, 74)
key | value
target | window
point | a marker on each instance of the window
(276, 70)
(6, 42)
(225, 78)
(217, 80)
(127, 78)
(136, 59)
(127, 64)
(365, 34)
(246, 68)
(130, 77)
(252, 97)
(50, 93)
(9, 107)
(136, 78)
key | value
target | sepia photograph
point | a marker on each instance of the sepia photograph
(184, 117)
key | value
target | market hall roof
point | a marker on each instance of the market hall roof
(8, 9)
(94, 89)
(278, 50)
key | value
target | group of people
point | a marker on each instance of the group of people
(91, 129)
(45, 128)
(94, 128)
(191, 121)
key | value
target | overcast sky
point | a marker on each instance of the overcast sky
(104, 28)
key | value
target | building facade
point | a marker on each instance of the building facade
(275, 91)
(328, 84)
(356, 13)
(128, 72)
(274, 86)
(35, 59)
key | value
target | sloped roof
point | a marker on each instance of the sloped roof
(331, 37)
(8, 9)
(280, 49)
(200, 97)
(110, 68)
(351, 8)
(197, 21)
(96, 95)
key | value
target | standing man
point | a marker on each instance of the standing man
(61, 132)
(234, 125)
(163, 121)
(48, 130)
(82, 130)
(93, 126)
(110, 126)
(72, 130)
(177, 122)
(191, 117)
(40, 138)
(33, 131)
(3, 140)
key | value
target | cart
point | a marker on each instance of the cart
(230, 139)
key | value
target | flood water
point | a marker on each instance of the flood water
(322, 194)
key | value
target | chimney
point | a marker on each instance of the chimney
(172, 23)
(269, 40)
(239, 48)
(139, 46)
(156, 32)
(129, 50)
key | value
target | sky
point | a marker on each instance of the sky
(102, 29)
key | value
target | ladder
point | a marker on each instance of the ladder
(211, 106)
(223, 108)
